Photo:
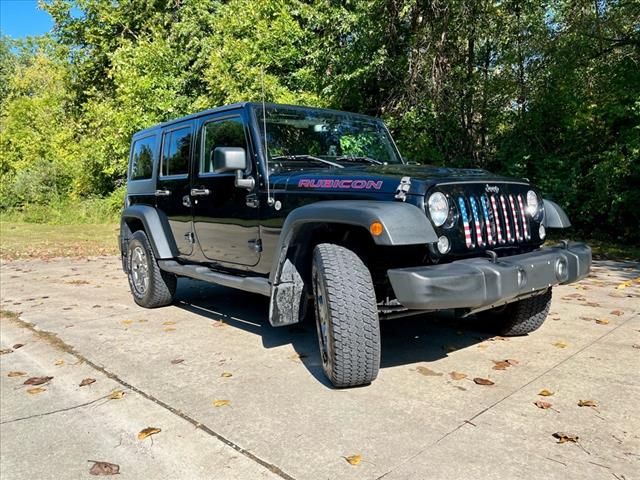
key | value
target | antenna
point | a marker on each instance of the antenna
(270, 199)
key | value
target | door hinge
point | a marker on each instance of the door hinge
(252, 200)
(190, 237)
(255, 245)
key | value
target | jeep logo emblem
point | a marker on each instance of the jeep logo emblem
(491, 188)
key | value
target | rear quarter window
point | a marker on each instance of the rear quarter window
(142, 158)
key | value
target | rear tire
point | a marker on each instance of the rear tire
(150, 286)
(346, 316)
(519, 318)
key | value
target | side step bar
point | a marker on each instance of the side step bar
(248, 284)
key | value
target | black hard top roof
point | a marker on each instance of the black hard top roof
(233, 106)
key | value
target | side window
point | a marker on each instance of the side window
(176, 151)
(142, 158)
(220, 133)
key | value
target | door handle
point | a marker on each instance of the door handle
(200, 192)
(163, 193)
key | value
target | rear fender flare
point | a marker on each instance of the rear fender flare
(156, 226)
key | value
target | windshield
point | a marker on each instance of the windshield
(325, 137)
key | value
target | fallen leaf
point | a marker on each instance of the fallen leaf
(589, 319)
(566, 437)
(147, 432)
(221, 403)
(427, 372)
(561, 344)
(104, 468)
(226, 375)
(169, 329)
(626, 284)
(483, 381)
(483, 345)
(117, 395)
(635, 345)
(126, 322)
(354, 459)
(580, 287)
(298, 356)
(458, 375)
(18, 345)
(218, 323)
(498, 338)
(545, 393)
(587, 403)
(4, 351)
(542, 404)
(501, 364)
(602, 321)
(177, 361)
(169, 322)
(59, 362)
(592, 304)
(87, 381)
(16, 374)
(35, 390)
(37, 380)
(617, 313)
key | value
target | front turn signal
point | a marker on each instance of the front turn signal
(376, 228)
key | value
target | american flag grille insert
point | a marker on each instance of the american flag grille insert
(493, 219)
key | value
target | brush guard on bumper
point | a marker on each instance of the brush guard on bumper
(478, 283)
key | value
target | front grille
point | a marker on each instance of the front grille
(490, 220)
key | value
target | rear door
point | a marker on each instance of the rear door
(173, 184)
(225, 219)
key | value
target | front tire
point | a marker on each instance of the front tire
(519, 318)
(150, 286)
(346, 316)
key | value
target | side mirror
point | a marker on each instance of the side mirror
(229, 159)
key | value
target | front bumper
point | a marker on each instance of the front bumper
(479, 283)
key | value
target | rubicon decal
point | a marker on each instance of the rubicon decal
(340, 183)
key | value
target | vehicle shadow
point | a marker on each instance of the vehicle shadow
(405, 341)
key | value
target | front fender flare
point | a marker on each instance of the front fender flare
(157, 228)
(554, 216)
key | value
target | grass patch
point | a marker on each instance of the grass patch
(31, 240)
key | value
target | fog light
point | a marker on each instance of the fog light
(443, 245)
(542, 232)
(561, 270)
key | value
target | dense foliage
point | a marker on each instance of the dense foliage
(549, 91)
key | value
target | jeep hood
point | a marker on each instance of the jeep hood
(378, 178)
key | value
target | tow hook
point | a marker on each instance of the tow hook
(493, 256)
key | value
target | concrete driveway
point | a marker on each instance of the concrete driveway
(236, 398)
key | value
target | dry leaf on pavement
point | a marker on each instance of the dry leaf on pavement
(16, 374)
(87, 381)
(147, 432)
(35, 390)
(354, 459)
(221, 403)
(564, 437)
(617, 313)
(561, 344)
(602, 321)
(545, 393)
(169, 322)
(18, 345)
(177, 361)
(542, 404)
(427, 372)
(37, 380)
(4, 351)
(104, 468)
(458, 375)
(226, 375)
(59, 362)
(626, 284)
(117, 395)
(587, 403)
(483, 381)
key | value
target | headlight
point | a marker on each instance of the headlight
(438, 208)
(532, 203)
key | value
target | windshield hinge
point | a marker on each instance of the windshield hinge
(403, 188)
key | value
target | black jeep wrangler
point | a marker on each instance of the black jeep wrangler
(302, 204)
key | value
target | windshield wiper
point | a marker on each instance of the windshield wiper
(307, 157)
(354, 158)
